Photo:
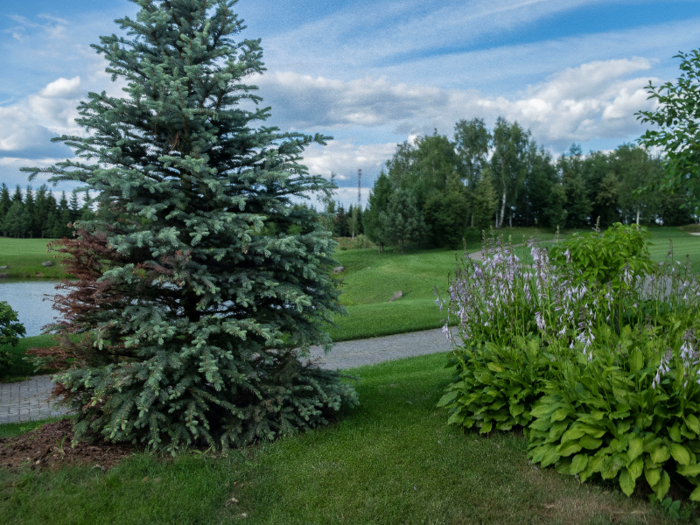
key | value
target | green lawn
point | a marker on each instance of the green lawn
(370, 279)
(683, 243)
(392, 460)
(23, 257)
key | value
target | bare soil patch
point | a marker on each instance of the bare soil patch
(50, 446)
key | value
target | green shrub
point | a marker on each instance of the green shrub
(10, 332)
(497, 385)
(602, 376)
(601, 258)
(622, 415)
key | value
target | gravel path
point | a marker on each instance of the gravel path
(27, 400)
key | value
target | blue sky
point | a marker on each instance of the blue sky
(374, 73)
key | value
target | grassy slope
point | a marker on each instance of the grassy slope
(393, 460)
(370, 279)
(23, 257)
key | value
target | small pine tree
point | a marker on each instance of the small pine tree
(402, 221)
(5, 202)
(17, 221)
(484, 201)
(377, 203)
(200, 285)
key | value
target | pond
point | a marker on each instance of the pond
(27, 299)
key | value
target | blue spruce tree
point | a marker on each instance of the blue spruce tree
(201, 286)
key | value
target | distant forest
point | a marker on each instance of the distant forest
(433, 189)
(37, 214)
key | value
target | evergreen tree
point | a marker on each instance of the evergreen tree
(555, 214)
(17, 196)
(5, 201)
(484, 201)
(30, 210)
(402, 221)
(74, 206)
(41, 211)
(201, 294)
(377, 204)
(17, 222)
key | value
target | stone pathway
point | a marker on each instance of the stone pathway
(27, 400)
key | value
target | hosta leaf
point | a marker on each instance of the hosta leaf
(693, 423)
(559, 415)
(543, 410)
(447, 398)
(540, 424)
(627, 483)
(617, 445)
(579, 463)
(652, 475)
(650, 443)
(611, 466)
(636, 362)
(624, 426)
(486, 427)
(695, 495)
(568, 448)
(557, 430)
(689, 470)
(590, 443)
(661, 488)
(495, 367)
(456, 419)
(636, 447)
(636, 468)
(594, 465)
(563, 466)
(550, 457)
(675, 434)
(573, 434)
(516, 410)
(680, 454)
(660, 454)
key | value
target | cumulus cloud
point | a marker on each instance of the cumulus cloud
(344, 158)
(592, 101)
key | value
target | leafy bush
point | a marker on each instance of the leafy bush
(601, 258)
(602, 376)
(623, 415)
(497, 385)
(10, 332)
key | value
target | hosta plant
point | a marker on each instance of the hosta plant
(603, 378)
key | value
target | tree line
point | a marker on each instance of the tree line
(433, 189)
(38, 214)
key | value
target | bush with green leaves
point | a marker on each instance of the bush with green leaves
(601, 258)
(497, 385)
(11, 330)
(627, 414)
(604, 377)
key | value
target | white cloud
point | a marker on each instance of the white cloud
(344, 158)
(61, 88)
(592, 101)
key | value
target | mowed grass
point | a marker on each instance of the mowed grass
(392, 460)
(23, 257)
(21, 368)
(683, 244)
(370, 280)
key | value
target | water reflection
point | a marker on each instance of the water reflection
(27, 299)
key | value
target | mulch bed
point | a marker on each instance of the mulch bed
(50, 447)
